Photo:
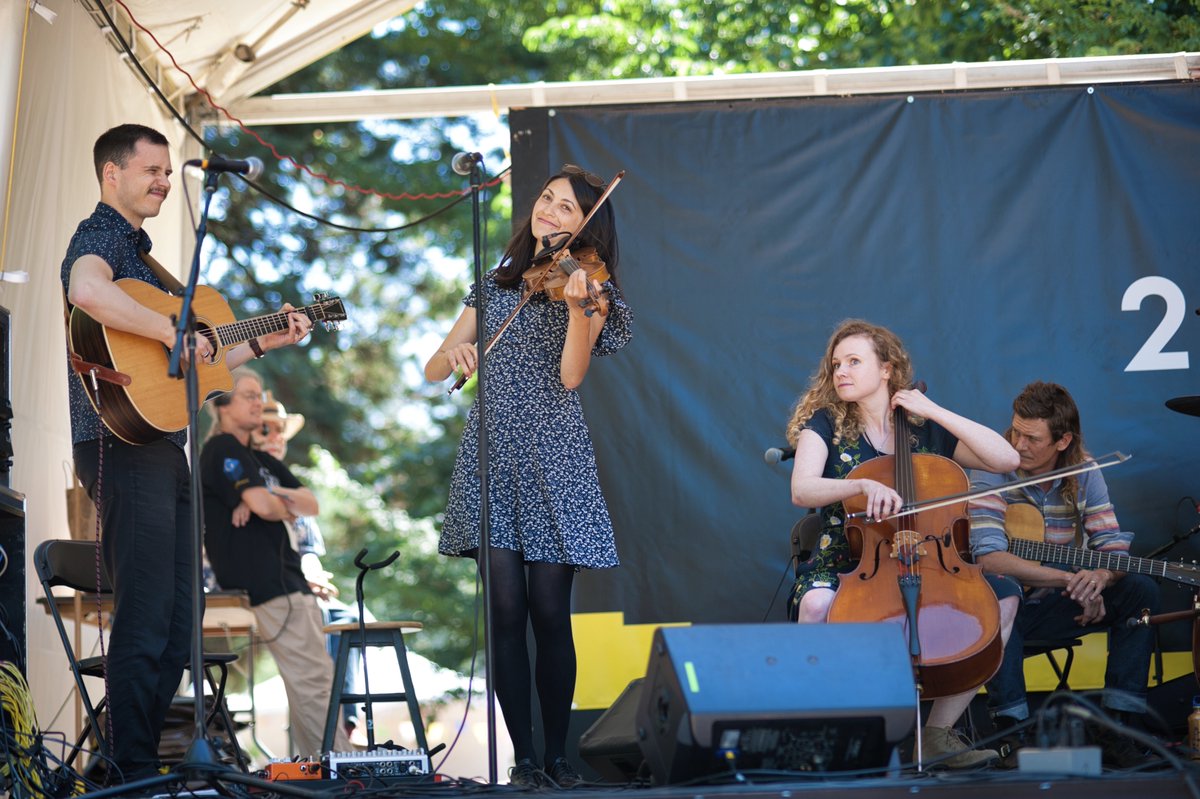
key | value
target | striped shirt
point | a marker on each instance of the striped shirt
(1092, 506)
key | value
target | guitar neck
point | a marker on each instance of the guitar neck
(246, 329)
(1086, 558)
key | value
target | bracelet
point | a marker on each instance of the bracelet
(256, 348)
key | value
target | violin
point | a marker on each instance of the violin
(551, 273)
(554, 267)
(910, 572)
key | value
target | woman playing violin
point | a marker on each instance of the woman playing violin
(844, 419)
(548, 517)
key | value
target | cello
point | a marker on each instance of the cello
(910, 572)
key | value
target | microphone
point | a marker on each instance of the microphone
(775, 454)
(1142, 619)
(250, 168)
(463, 163)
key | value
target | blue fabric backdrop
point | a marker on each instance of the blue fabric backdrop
(999, 233)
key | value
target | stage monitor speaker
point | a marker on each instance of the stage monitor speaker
(610, 746)
(781, 697)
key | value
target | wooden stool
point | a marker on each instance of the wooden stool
(378, 633)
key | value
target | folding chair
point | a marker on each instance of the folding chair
(804, 538)
(73, 564)
(1033, 648)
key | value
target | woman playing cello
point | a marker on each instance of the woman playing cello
(844, 419)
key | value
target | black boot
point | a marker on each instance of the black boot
(1017, 735)
(1118, 750)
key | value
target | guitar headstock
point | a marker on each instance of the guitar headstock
(1180, 572)
(327, 310)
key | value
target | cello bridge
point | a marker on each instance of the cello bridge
(908, 543)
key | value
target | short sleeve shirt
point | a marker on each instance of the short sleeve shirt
(258, 557)
(108, 235)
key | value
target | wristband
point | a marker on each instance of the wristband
(256, 348)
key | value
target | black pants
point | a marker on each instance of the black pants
(145, 516)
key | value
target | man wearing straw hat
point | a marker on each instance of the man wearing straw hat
(278, 428)
(248, 497)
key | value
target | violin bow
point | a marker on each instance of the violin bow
(1103, 462)
(612, 184)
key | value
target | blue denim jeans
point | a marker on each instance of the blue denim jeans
(1052, 618)
(147, 546)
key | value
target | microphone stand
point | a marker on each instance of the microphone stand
(1179, 615)
(485, 538)
(201, 761)
(201, 751)
(1175, 539)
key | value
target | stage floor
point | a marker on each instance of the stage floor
(978, 785)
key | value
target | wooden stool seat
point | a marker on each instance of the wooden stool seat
(379, 634)
(334, 629)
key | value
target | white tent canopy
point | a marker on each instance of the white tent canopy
(65, 82)
(462, 100)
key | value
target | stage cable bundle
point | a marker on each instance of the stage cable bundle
(28, 769)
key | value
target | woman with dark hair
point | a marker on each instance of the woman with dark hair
(548, 518)
(844, 419)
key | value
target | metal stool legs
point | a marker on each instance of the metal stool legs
(380, 634)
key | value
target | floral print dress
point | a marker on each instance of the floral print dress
(832, 556)
(544, 492)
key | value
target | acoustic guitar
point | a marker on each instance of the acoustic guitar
(152, 404)
(1026, 531)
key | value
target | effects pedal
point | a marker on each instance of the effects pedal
(293, 770)
(378, 762)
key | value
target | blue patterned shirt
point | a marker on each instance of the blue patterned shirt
(108, 235)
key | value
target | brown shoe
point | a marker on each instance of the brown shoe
(942, 747)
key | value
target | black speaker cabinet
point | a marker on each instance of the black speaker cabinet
(791, 697)
(6, 412)
(610, 746)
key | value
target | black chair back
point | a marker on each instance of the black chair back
(73, 564)
(805, 534)
(70, 563)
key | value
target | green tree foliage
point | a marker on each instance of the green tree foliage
(382, 442)
(416, 585)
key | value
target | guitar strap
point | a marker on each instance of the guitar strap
(169, 281)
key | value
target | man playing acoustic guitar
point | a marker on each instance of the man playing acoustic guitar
(142, 489)
(1061, 604)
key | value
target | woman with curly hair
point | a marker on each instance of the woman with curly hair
(844, 419)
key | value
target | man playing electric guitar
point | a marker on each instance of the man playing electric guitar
(142, 490)
(1062, 604)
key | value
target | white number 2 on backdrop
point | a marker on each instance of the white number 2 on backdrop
(1151, 357)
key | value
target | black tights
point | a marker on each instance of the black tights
(543, 597)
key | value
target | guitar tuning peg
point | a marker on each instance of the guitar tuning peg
(320, 296)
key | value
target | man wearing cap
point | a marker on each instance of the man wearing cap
(248, 497)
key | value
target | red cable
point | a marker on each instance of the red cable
(287, 158)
